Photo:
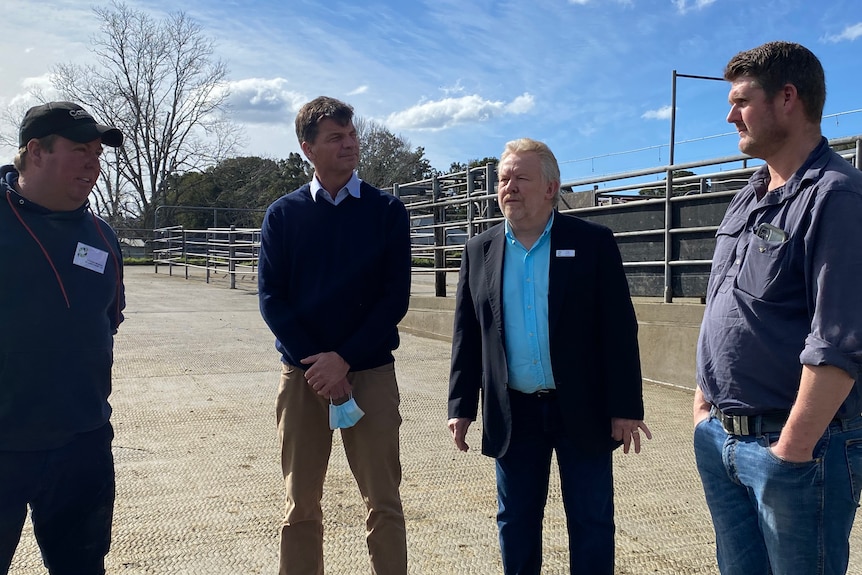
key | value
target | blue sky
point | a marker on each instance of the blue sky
(592, 78)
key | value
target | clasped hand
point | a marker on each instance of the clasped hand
(327, 375)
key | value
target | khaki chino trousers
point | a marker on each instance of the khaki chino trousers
(373, 453)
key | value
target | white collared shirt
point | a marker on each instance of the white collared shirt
(351, 188)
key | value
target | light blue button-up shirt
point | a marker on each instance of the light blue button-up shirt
(525, 311)
(351, 188)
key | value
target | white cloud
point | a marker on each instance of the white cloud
(849, 33)
(42, 82)
(456, 89)
(521, 105)
(662, 113)
(587, 129)
(263, 100)
(441, 114)
(28, 92)
(360, 90)
(687, 5)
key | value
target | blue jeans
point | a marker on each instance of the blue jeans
(523, 473)
(775, 517)
(70, 491)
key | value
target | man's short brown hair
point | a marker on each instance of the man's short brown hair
(311, 114)
(776, 64)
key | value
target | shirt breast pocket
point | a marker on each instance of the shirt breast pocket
(728, 254)
(762, 268)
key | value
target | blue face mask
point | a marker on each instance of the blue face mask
(344, 415)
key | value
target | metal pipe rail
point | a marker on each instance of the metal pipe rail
(666, 240)
(231, 250)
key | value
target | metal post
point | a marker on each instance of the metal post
(231, 254)
(170, 254)
(672, 118)
(208, 251)
(668, 217)
(439, 255)
(471, 209)
(671, 157)
(668, 272)
(155, 251)
(483, 206)
(490, 178)
(858, 152)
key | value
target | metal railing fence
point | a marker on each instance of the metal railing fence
(666, 240)
(232, 251)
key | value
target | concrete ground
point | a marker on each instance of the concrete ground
(199, 486)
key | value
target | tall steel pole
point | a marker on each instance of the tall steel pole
(676, 75)
(668, 193)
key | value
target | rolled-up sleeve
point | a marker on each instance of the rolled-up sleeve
(834, 275)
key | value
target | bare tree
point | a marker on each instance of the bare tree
(158, 81)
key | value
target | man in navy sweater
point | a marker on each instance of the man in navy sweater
(334, 281)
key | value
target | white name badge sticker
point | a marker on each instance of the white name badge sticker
(90, 258)
(565, 253)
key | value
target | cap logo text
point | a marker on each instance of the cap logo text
(78, 114)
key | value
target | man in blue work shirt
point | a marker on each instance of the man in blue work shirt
(545, 328)
(778, 436)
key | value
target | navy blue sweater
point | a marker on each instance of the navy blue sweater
(56, 323)
(335, 278)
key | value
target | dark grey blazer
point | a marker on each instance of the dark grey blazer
(593, 336)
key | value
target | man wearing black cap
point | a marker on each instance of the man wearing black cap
(61, 301)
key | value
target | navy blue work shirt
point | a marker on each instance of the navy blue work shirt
(785, 288)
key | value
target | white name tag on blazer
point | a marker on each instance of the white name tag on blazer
(565, 253)
(90, 258)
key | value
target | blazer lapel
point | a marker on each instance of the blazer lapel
(493, 250)
(559, 270)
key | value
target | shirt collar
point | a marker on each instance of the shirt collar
(810, 169)
(350, 188)
(510, 236)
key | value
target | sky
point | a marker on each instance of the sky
(460, 78)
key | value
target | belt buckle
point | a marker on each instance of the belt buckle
(735, 424)
(740, 424)
(543, 393)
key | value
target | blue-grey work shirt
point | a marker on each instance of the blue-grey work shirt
(785, 288)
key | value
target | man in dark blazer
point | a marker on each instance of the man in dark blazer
(546, 331)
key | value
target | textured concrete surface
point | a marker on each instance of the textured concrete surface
(199, 487)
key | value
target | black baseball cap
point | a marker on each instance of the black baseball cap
(68, 120)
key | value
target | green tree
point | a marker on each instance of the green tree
(237, 189)
(295, 171)
(387, 159)
(461, 167)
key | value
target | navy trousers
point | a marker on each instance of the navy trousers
(523, 473)
(70, 492)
